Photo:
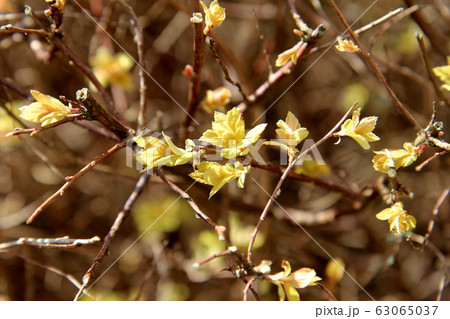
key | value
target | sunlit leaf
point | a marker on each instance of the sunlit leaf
(46, 110)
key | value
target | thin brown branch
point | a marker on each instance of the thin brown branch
(305, 178)
(327, 291)
(273, 79)
(438, 89)
(432, 222)
(212, 47)
(57, 271)
(98, 130)
(401, 15)
(255, 294)
(71, 179)
(94, 111)
(124, 213)
(438, 40)
(36, 130)
(276, 77)
(139, 39)
(199, 213)
(61, 46)
(370, 61)
(277, 191)
(54, 243)
(13, 29)
(292, 175)
(440, 256)
(419, 167)
(147, 276)
(264, 44)
(243, 264)
(378, 21)
(212, 257)
(302, 26)
(194, 77)
(390, 18)
(15, 88)
(248, 285)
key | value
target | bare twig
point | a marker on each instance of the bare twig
(419, 167)
(370, 61)
(395, 15)
(57, 271)
(442, 260)
(54, 243)
(264, 44)
(15, 88)
(94, 111)
(243, 265)
(401, 15)
(432, 222)
(59, 43)
(37, 130)
(140, 185)
(255, 294)
(292, 175)
(195, 76)
(305, 178)
(274, 78)
(248, 285)
(437, 39)
(212, 257)
(212, 47)
(139, 39)
(438, 89)
(378, 21)
(71, 179)
(147, 276)
(13, 29)
(276, 192)
(298, 20)
(199, 213)
(327, 291)
(98, 130)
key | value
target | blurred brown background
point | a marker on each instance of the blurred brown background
(158, 265)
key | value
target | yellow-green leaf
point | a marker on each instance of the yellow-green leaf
(46, 110)
(216, 175)
(359, 130)
(214, 15)
(443, 73)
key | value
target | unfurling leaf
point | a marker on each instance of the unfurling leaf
(388, 161)
(290, 54)
(360, 131)
(291, 131)
(214, 15)
(399, 219)
(228, 132)
(288, 282)
(217, 175)
(46, 110)
(156, 152)
(346, 46)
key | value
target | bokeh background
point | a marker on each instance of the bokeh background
(152, 256)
